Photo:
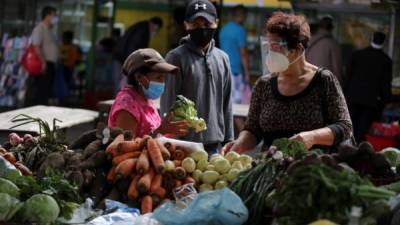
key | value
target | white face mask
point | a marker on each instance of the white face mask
(278, 62)
(55, 20)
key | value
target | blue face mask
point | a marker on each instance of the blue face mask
(154, 91)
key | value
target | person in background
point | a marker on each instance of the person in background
(204, 76)
(39, 88)
(233, 40)
(133, 108)
(368, 85)
(297, 100)
(136, 37)
(324, 50)
(70, 56)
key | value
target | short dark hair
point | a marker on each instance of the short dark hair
(326, 23)
(48, 10)
(132, 78)
(157, 20)
(294, 29)
(239, 9)
(378, 38)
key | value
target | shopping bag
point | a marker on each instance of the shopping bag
(246, 93)
(32, 62)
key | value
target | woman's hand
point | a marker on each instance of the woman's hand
(231, 146)
(307, 138)
(171, 128)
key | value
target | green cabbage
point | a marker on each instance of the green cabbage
(184, 109)
(9, 187)
(8, 207)
(40, 208)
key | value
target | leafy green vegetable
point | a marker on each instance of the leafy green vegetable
(54, 184)
(184, 109)
(318, 191)
(254, 186)
(8, 207)
(291, 148)
(40, 208)
(392, 155)
(9, 187)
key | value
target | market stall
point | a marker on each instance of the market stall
(106, 175)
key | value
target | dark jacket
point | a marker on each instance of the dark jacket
(369, 78)
(136, 37)
(324, 51)
(204, 78)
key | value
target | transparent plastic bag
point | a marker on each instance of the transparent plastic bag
(222, 207)
(184, 195)
(191, 146)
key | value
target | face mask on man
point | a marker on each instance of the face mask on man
(202, 36)
(279, 62)
(154, 91)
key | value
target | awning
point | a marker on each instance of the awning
(260, 3)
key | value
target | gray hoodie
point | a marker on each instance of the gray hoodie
(206, 80)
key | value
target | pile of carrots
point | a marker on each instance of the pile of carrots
(9, 156)
(143, 161)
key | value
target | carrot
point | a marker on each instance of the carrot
(143, 141)
(112, 148)
(178, 183)
(142, 165)
(145, 182)
(10, 157)
(158, 195)
(179, 154)
(171, 147)
(111, 175)
(130, 155)
(128, 146)
(189, 180)
(125, 168)
(3, 150)
(177, 163)
(133, 192)
(156, 182)
(147, 205)
(24, 170)
(155, 155)
(164, 151)
(180, 173)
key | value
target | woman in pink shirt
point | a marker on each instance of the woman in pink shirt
(133, 108)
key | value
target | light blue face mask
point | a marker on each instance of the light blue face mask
(154, 91)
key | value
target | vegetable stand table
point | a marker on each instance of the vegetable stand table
(74, 121)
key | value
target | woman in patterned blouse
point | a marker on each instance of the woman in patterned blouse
(296, 100)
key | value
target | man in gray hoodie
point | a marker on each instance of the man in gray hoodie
(204, 77)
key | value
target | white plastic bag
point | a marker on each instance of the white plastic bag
(191, 146)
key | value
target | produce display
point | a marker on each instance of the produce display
(43, 180)
(153, 169)
(184, 109)
(291, 186)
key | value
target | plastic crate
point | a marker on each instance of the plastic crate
(381, 142)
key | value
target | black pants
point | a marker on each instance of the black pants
(362, 118)
(40, 88)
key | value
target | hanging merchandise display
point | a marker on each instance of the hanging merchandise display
(12, 75)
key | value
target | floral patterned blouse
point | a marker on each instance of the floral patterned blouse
(321, 104)
(143, 110)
